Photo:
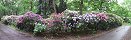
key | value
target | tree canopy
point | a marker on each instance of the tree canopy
(46, 7)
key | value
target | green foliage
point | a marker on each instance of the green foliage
(8, 7)
(117, 18)
(101, 6)
(20, 6)
(127, 20)
(39, 27)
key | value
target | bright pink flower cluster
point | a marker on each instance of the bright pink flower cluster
(102, 16)
(55, 18)
(30, 15)
(50, 22)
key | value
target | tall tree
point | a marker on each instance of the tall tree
(81, 7)
(61, 7)
(39, 7)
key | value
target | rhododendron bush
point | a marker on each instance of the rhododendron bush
(93, 21)
(27, 21)
(9, 19)
(71, 22)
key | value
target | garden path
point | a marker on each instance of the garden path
(121, 33)
(7, 33)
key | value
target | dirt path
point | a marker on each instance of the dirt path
(121, 33)
(117, 34)
(7, 33)
(127, 36)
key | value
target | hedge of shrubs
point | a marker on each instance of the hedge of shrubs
(61, 23)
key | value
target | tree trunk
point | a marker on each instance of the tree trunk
(81, 6)
(31, 3)
(39, 7)
(54, 7)
(100, 6)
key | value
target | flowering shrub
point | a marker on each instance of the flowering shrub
(115, 20)
(89, 22)
(71, 22)
(55, 23)
(9, 19)
(54, 18)
(57, 27)
(111, 22)
(28, 20)
(103, 23)
(30, 16)
(91, 18)
(82, 23)
(93, 22)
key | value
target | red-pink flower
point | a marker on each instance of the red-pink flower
(50, 23)
(30, 16)
(102, 16)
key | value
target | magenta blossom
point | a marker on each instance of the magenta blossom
(102, 16)
(30, 16)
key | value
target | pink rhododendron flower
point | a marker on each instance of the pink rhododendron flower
(30, 16)
(102, 16)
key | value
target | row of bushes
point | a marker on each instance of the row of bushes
(59, 23)
(94, 21)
